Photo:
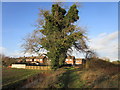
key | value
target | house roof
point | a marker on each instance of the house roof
(41, 57)
(78, 59)
(71, 57)
(30, 57)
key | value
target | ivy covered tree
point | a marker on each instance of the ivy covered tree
(57, 34)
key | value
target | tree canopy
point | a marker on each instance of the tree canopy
(57, 34)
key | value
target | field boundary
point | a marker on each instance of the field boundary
(24, 66)
(38, 67)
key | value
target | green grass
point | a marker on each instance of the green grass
(11, 76)
(75, 81)
(71, 79)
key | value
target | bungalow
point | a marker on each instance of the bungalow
(70, 60)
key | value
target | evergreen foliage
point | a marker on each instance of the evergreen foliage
(59, 34)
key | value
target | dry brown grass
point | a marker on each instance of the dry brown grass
(98, 71)
(51, 80)
(113, 82)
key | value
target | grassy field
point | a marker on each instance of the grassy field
(95, 74)
(11, 76)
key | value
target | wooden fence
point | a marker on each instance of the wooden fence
(38, 67)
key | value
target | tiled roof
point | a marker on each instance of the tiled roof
(70, 57)
(78, 59)
(41, 57)
(30, 57)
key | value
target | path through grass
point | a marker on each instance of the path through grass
(71, 79)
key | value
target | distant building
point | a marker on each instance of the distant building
(79, 61)
(29, 59)
(41, 59)
(70, 60)
(20, 59)
(38, 59)
(46, 61)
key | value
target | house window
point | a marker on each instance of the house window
(66, 59)
(70, 59)
(30, 59)
(35, 60)
(40, 59)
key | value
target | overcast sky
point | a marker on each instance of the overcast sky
(99, 19)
